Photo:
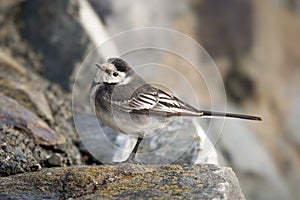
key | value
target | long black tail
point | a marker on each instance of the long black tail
(232, 115)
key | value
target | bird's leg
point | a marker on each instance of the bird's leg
(133, 153)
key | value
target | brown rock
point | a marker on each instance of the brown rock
(124, 181)
(12, 113)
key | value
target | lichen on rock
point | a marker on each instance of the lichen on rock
(129, 181)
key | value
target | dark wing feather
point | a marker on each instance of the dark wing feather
(160, 103)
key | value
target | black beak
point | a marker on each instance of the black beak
(100, 66)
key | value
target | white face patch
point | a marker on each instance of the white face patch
(111, 78)
(109, 74)
(110, 67)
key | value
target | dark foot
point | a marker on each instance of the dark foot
(131, 158)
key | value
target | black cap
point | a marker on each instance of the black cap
(120, 64)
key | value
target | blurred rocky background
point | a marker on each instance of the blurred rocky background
(255, 45)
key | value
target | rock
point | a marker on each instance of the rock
(19, 153)
(5, 59)
(16, 82)
(180, 142)
(258, 176)
(292, 125)
(102, 8)
(290, 144)
(124, 181)
(53, 161)
(12, 113)
(27, 96)
(11, 70)
(99, 141)
(10, 40)
(62, 42)
(5, 148)
(34, 96)
(14, 159)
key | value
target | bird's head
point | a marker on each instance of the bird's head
(113, 71)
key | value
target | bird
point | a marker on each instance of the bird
(126, 103)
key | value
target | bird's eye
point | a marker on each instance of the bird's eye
(115, 74)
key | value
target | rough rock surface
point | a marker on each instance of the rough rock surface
(12, 113)
(30, 107)
(129, 181)
(65, 47)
